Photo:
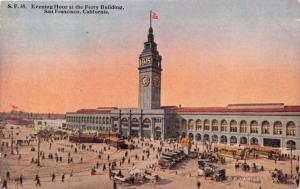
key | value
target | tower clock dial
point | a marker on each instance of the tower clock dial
(145, 81)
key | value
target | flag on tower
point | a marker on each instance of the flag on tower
(154, 15)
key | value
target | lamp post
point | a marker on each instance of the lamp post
(38, 161)
(12, 140)
(291, 148)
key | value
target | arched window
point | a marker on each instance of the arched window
(224, 126)
(233, 140)
(191, 124)
(183, 124)
(223, 139)
(124, 122)
(254, 127)
(206, 125)
(146, 123)
(243, 140)
(233, 126)
(198, 137)
(134, 122)
(254, 141)
(198, 124)
(243, 126)
(291, 145)
(214, 139)
(290, 129)
(215, 125)
(206, 137)
(265, 127)
(277, 128)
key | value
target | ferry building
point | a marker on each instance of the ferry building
(272, 124)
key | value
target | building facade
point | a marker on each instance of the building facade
(49, 123)
(273, 124)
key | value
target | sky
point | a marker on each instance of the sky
(214, 53)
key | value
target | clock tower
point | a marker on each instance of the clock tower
(149, 75)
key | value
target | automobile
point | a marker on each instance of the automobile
(174, 157)
(219, 174)
(203, 162)
(165, 164)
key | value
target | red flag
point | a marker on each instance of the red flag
(154, 15)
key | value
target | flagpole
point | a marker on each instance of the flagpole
(150, 18)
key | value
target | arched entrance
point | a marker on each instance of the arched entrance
(233, 140)
(198, 137)
(291, 144)
(243, 140)
(214, 139)
(135, 127)
(254, 141)
(191, 136)
(157, 133)
(223, 139)
(124, 127)
(146, 131)
(206, 137)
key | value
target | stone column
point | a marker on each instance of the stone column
(141, 124)
(129, 123)
(271, 127)
(119, 126)
(152, 128)
(238, 127)
(163, 129)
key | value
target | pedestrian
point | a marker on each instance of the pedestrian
(8, 175)
(297, 168)
(37, 179)
(4, 184)
(198, 184)
(104, 167)
(53, 177)
(297, 181)
(97, 164)
(21, 180)
(63, 178)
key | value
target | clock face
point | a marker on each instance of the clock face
(145, 81)
(156, 81)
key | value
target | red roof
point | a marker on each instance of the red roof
(226, 109)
